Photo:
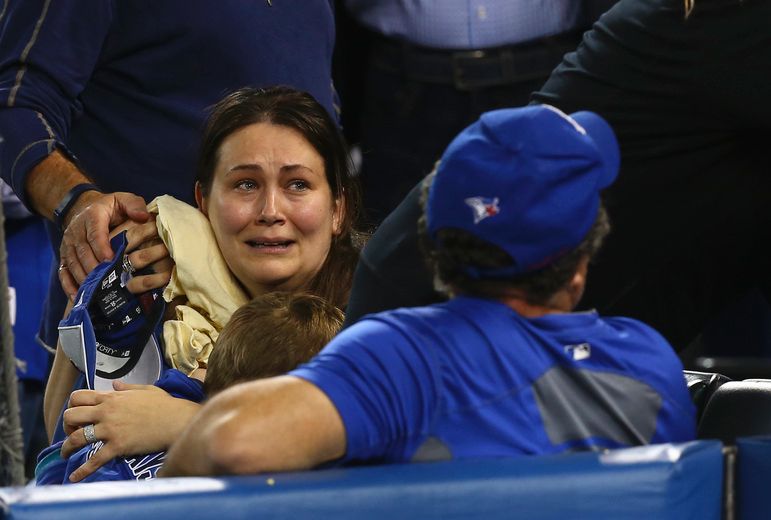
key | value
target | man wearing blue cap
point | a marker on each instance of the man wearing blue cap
(504, 368)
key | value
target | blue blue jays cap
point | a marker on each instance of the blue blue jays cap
(527, 180)
(110, 333)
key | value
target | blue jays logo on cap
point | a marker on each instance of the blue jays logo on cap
(532, 177)
(483, 207)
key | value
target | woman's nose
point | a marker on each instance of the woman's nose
(270, 213)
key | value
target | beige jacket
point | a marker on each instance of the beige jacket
(202, 276)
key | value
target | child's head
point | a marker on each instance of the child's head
(270, 336)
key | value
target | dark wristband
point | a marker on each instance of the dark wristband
(69, 200)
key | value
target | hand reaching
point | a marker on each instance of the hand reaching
(86, 238)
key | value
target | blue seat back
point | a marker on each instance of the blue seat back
(669, 481)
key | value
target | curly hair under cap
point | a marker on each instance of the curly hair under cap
(457, 249)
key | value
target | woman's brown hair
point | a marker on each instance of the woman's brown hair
(299, 111)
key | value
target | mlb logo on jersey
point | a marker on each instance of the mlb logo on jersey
(579, 352)
(483, 207)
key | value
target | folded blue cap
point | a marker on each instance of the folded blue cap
(527, 180)
(110, 333)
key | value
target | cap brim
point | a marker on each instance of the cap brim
(125, 347)
(146, 371)
(76, 335)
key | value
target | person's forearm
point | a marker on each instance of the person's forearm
(276, 424)
(185, 411)
(189, 454)
(60, 383)
(49, 181)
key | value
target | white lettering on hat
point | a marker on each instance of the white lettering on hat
(580, 129)
(483, 207)
(111, 278)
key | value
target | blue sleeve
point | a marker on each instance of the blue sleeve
(181, 386)
(51, 468)
(658, 365)
(114, 469)
(676, 421)
(382, 384)
(49, 50)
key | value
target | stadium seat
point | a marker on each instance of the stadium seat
(702, 385)
(737, 409)
(667, 481)
(736, 367)
(753, 474)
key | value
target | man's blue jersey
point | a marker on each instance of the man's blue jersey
(472, 378)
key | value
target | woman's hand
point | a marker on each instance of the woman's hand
(134, 419)
(146, 249)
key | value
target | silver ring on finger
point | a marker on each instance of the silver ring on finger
(62, 267)
(127, 266)
(89, 434)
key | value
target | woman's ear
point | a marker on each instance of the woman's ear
(338, 215)
(200, 200)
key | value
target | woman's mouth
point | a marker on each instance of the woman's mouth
(267, 245)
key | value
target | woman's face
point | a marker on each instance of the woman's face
(271, 208)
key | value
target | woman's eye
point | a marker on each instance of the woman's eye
(298, 185)
(246, 185)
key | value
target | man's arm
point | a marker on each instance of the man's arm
(277, 424)
(87, 223)
(595, 8)
(49, 181)
(49, 53)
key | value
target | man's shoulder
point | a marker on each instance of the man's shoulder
(452, 312)
(633, 329)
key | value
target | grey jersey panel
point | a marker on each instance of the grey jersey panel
(580, 404)
(432, 449)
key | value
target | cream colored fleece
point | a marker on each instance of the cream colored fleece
(202, 276)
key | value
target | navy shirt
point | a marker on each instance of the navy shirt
(123, 86)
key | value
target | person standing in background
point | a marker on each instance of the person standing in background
(29, 256)
(682, 86)
(101, 105)
(433, 67)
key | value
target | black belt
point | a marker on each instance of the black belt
(478, 68)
